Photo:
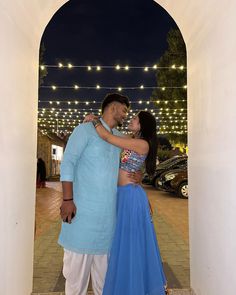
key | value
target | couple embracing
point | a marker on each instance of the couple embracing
(107, 230)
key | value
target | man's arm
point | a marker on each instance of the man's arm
(75, 146)
(136, 177)
(68, 208)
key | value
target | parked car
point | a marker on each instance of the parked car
(172, 163)
(175, 181)
(180, 184)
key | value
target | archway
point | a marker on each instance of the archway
(51, 102)
(211, 71)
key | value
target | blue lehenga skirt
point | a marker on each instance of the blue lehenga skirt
(135, 266)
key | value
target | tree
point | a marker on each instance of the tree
(172, 102)
(164, 143)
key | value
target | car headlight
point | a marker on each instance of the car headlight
(170, 177)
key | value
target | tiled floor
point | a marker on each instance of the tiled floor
(170, 219)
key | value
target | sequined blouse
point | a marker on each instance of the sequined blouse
(131, 161)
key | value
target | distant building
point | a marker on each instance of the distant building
(50, 148)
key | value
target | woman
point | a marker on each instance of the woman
(135, 266)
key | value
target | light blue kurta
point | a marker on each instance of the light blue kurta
(92, 165)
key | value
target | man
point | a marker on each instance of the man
(89, 173)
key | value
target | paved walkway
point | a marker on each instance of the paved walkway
(170, 219)
(171, 224)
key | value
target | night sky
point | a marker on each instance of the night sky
(91, 32)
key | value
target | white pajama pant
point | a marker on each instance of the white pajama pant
(77, 269)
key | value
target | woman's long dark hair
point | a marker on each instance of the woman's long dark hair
(148, 131)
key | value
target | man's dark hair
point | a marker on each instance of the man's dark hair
(111, 97)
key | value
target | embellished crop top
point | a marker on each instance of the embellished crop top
(131, 161)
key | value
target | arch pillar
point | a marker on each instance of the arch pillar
(21, 26)
(211, 45)
(207, 29)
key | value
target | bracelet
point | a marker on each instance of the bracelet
(96, 123)
(68, 199)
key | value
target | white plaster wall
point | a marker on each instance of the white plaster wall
(209, 31)
(21, 26)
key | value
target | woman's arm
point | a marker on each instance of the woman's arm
(139, 146)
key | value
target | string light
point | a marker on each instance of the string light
(163, 88)
(167, 111)
(80, 113)
(117, 67)
(77, 101)
(68, 118)
(69, 126)
(69, 129)
(76, 119)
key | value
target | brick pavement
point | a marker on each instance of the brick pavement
(170, 220)
(47, 254)
(171, 224)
